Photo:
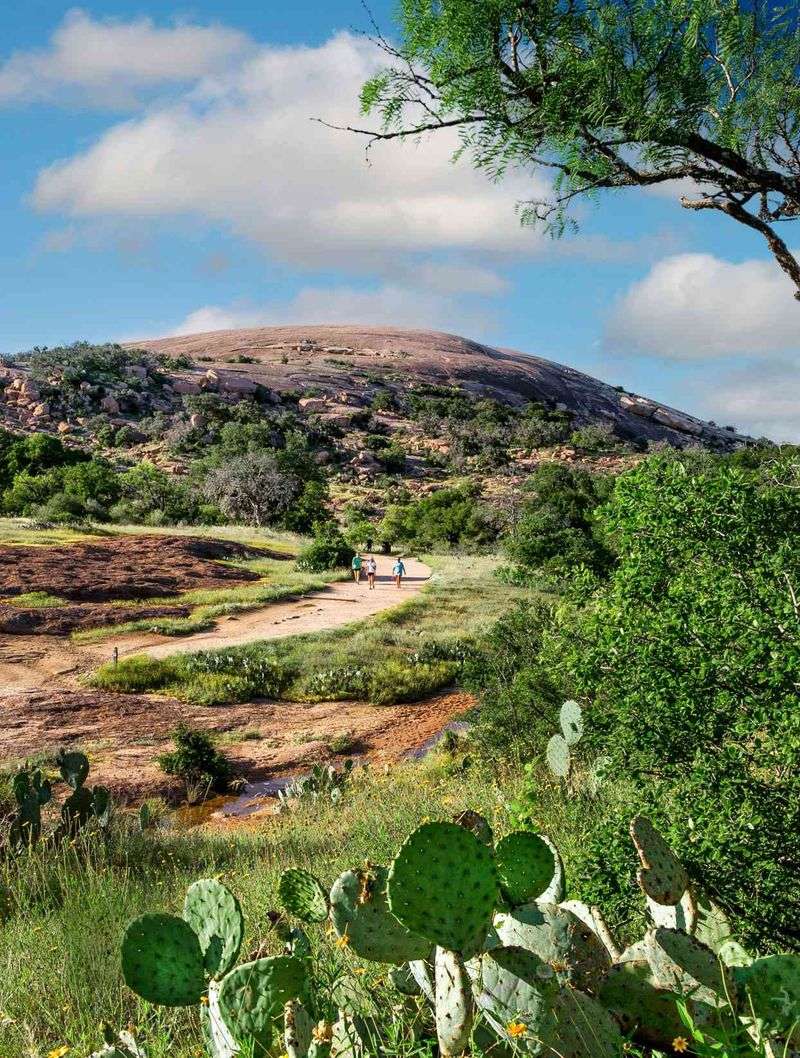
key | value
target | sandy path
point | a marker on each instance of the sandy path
(36, 662)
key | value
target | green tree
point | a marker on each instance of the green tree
(610, 94)
(689, 656)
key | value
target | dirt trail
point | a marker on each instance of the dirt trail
(30, 663)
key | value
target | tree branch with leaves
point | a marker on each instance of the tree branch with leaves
(609, 94)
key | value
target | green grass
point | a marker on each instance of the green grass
(402, 654)
(59, 953)
(34, 600)
(280, 581)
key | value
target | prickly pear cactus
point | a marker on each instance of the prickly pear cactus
(591, 917)
(514, 989)
(74, 768)
(661, 876)
(443, 886)
(772, 992)
(579, 1027)
(360, 913)
(687, 967)
(641, 1008)
(422, 972)
(350, 1037)
(102, 805)
(712, 926)
(303, 896)
(162, 960)
(555, 891)
(559, 758)
(571, 719)
(298, 1029)
(525, 867)
(454, 1005)
(558, 938)
(77, 810)
(475, 822)
(252, 997)
(682, 916)
(214, 914)
(216, 1034)
(31, 793)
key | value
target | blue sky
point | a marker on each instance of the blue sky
(161, 174)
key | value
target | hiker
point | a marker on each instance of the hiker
(398, 571)
(372, 569)
(356, 567)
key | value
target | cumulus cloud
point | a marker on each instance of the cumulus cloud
(764, 399)
(699, 307)
(108, 63)
(392, 303)
(240, 150)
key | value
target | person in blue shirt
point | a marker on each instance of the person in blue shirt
(398, 572)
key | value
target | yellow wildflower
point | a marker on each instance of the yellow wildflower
(58, 1052)
(516, 1028)
(680, 1044)
(343, 941)
(323, 1033)
(204, 1000)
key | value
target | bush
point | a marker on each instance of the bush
(196, 760)
(147, 493)
(596, 437)
(556, 528)
(139, 673)
(689, 655)
(396, 681)
(447, 517)
(252, 489)
(328, 550)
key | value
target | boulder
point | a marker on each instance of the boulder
(185, 386)
(637, 405)
(136, 371)
(312, 404)
(30, 389)
(197, 421)
(210, 379)
(676, 421)
(237, 384)
(63, 427)
(41, 411)
(110, 404)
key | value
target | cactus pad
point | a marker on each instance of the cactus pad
(102, 805)
(682, 915)
(640, 1007)
(578, 1027)
(559, 938)
(404, 981)
(662, 876)
(253, 995)
(74, 768)
(303, 896)
(687, 967)
(571, 718)
(162, 961)
(525, 866)
(475, 822)
(443, 886)
(712, 927)
(772, 986)
(454, 1005)
(218, 1039)
(298, 1028)
(555, 891)
(359, 911)
(214, 914)
(515, 986)
(558, 756)
(422, 972)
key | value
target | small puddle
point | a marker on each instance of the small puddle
(188, 816)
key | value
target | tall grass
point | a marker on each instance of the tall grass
(59, 952)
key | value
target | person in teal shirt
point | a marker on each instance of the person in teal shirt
(399, 571)
(356, 567)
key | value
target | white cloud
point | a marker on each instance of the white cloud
(108, 62)
(240, 150)
(392, 303)
(763, 398)
(698, 307)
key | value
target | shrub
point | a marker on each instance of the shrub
(397, 681)
(556, 528)
(147, 491)
(689, 655)
(446, 517)
(139, 673)
(596, 437)
(196, 760)
(328, 550)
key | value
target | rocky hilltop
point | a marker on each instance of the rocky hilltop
(345, 363)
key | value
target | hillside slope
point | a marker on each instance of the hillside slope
(346, 362)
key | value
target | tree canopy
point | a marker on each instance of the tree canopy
(610, 94)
